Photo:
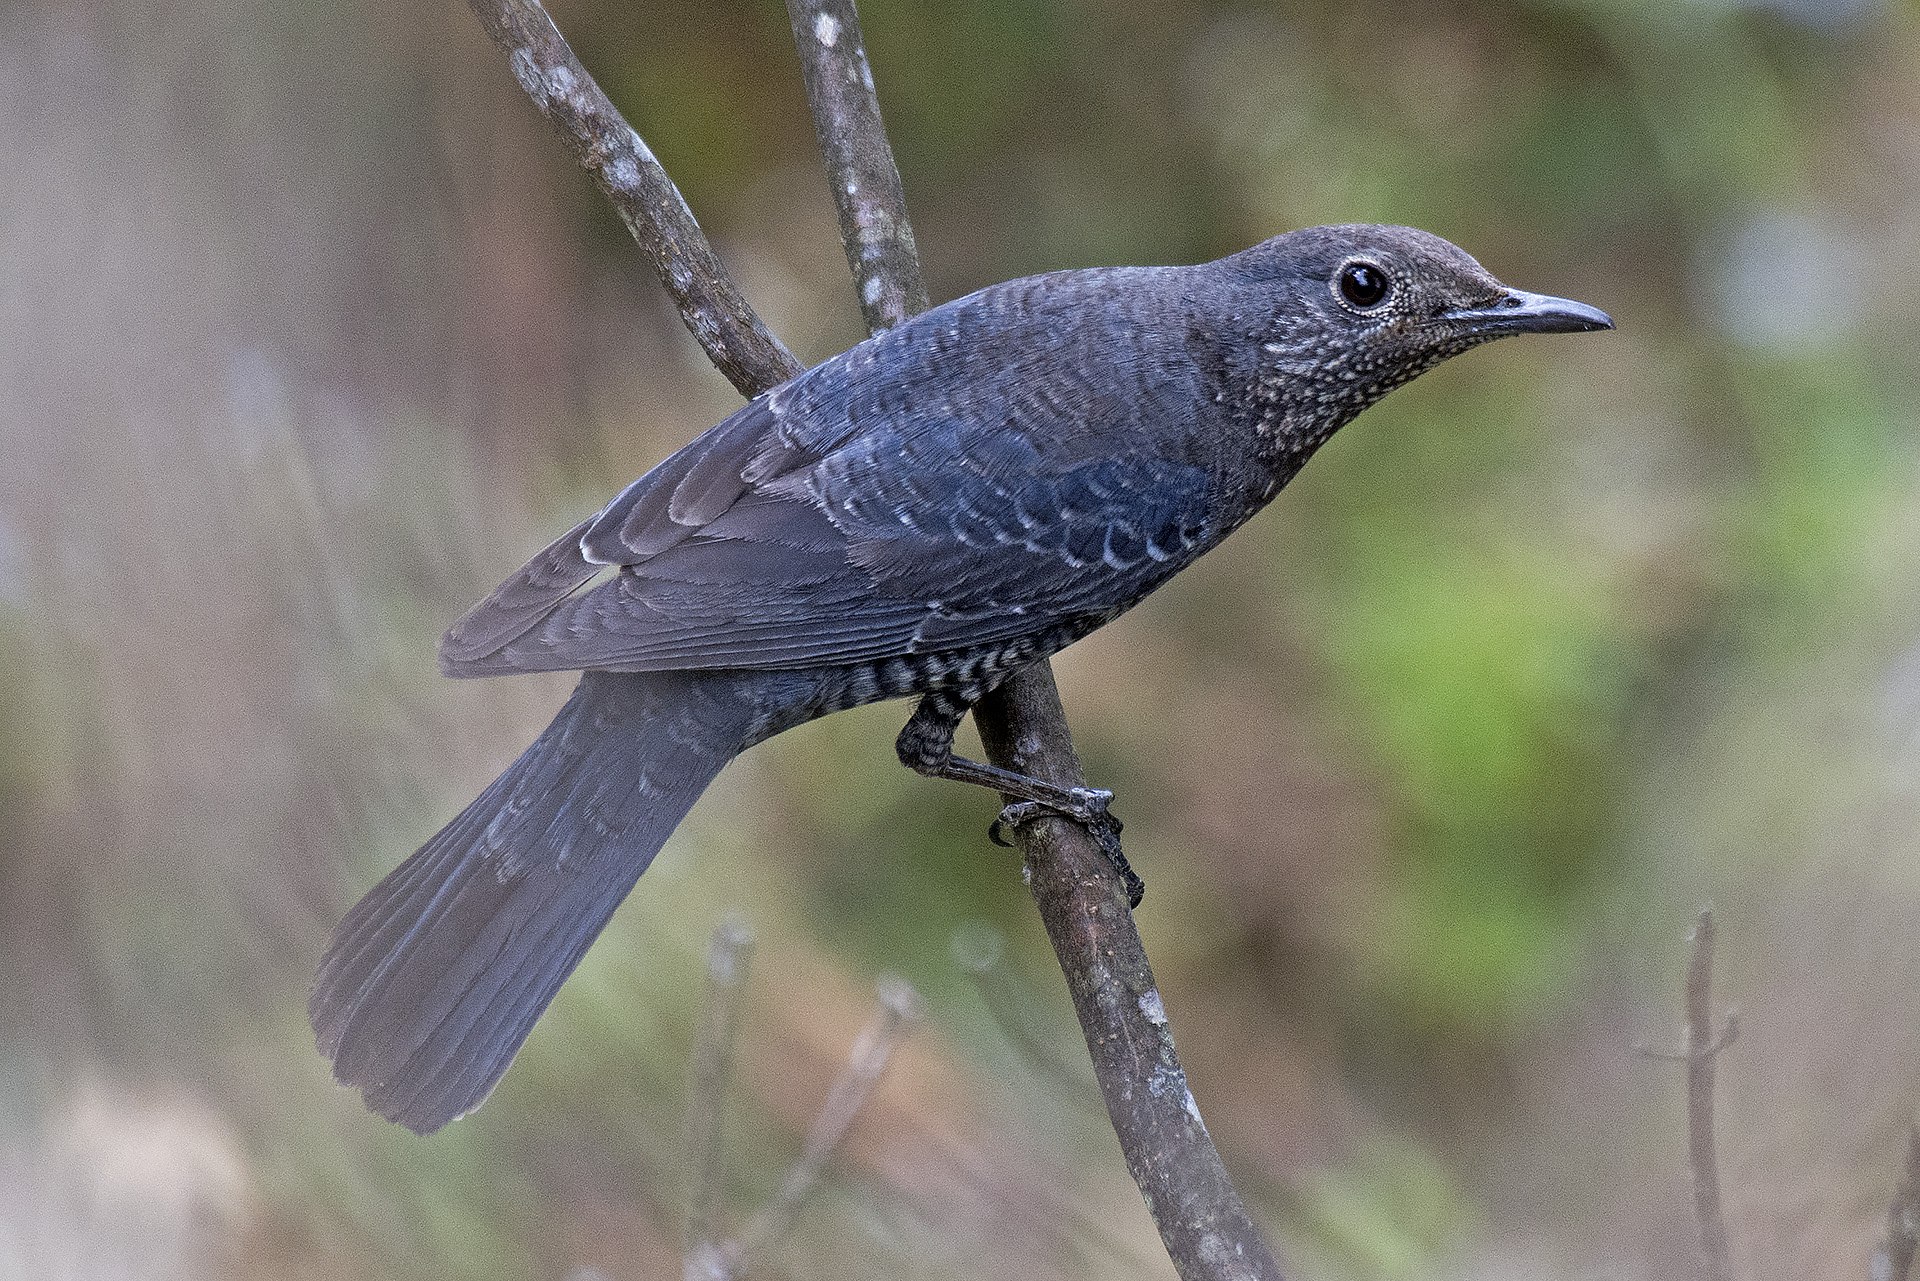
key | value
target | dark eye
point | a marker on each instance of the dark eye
(1364, 285)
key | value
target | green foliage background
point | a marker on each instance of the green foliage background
(309, 334)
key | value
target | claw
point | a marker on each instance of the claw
(1016, 815)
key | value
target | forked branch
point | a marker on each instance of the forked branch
(1204, 1224)
(859, 161)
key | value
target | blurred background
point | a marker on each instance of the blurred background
(310, 332)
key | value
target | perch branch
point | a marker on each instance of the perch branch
(740, 346)
(1893, 1261)
(727, 958)
(1202, 1220)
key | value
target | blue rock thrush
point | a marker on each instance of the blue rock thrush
(921, 515)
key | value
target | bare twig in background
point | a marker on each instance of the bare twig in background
(1703, 1045)
(727, 958)
(1893, 1261)
(899, 1008)
(707, 1256)
(1202, 1220)
(859, 162)
(740, 346)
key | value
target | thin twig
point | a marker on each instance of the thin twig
(1893, 1261)
(1703, 1045)
(859, 162)
(897, 1011)
(728, 956)
(1204, 1224)
(740, 346)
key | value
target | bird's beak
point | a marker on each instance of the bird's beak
(1519, 312)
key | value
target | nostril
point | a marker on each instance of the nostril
(1510, 301)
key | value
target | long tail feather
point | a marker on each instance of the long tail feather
(434, 980)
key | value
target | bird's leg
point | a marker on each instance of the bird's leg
(925, 746)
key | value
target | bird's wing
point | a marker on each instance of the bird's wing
(663, 507)
(848, 517)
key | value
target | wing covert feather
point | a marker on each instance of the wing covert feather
(875, 506)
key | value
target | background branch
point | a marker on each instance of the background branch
(740, 346)
(1893, 1261)
(1705, 1038)
(859, 162)
(1204, 1224)
(1704, 1044)
(708, 1257)
(728, 956)
(898, 1009)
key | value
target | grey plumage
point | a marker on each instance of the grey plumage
(926, 512)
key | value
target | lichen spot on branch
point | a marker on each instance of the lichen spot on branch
(545, 85)
(826, 29)
(526, 69)
(623, 173)
(1193, 1110)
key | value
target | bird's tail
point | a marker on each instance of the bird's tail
(433, 981)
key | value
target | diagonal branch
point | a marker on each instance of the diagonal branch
(1204, 1224)
(1202, 1221)
(740, 346)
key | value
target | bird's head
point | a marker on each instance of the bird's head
(1358, 310)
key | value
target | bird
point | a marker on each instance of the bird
(920, 516)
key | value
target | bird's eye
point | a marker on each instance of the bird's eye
(1363, 284)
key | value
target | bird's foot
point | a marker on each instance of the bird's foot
(1088, 808)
